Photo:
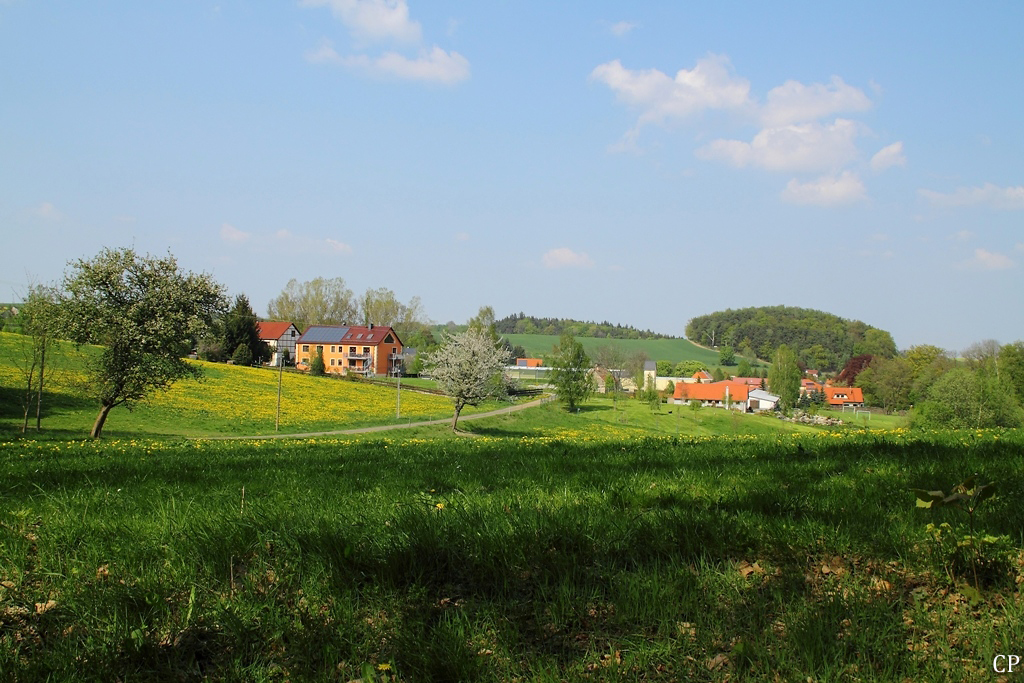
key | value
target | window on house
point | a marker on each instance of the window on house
(351, 349)
(332, 349)
(366, 349)
(293, 333)
(332, 361)
(305, 347)
(389, 339)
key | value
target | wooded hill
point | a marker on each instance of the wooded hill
(821, 340)
(527, 324)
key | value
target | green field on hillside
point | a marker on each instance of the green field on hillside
(228, 400)
(675, 350)
(558, 558)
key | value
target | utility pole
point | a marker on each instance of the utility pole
(398, 393)
(280, 375)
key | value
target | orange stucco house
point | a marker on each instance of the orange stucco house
(369, 350)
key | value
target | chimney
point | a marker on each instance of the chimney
(371, 326)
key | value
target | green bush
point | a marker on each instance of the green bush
(242, 355)
(316, 365)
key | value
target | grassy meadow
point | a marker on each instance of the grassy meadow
(746, 558)
(229, 400)
(675, 350)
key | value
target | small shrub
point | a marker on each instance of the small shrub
(316, 365)
(242, 355)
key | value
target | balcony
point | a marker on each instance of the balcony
(358, 356)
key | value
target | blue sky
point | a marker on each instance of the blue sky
(641, 163)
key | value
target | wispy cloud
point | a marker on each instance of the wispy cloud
(564, 257)
(961, 235)
(372, 21)
(46, 211)
(987, 260)
(232, 235)
(462, 237)
(621, 28)
(846, 188)
(435, 66)
(337, 247)
(889, 156)
(987, 195)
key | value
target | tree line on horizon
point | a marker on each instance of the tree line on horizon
(821, 341)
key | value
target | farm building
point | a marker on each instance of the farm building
(280, 337)
(735, 395)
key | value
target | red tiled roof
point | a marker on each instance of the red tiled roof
(852, 395)
(710, 392)
(272, 330)
(702, 374)
(751, 381)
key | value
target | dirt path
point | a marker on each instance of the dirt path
(379, 428)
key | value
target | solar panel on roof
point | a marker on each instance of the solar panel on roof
(318, 334)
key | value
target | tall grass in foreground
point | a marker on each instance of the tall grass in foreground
(748, 558)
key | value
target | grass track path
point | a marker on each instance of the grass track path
(379, 428)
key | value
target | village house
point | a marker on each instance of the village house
(844, 396)
(280, 337)
(735, 395)
(370, 350)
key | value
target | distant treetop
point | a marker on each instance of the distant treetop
(520, 323)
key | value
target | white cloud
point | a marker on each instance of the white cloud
(47, 212)
(435, 66)
(566, 258)
(987, 260)
(233, 235)
(794, 102)
(962, 235)
(987, 195)
(323, 54)
(709, 85)
(804, 147)
(462, 237)
(621, 28)
(373, 20)
(338, 247)
(845, 188)
(888, 157)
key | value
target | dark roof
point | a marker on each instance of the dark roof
(346, 334)
(323, 334)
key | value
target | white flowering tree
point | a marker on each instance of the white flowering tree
(469, 368)
(145, 313)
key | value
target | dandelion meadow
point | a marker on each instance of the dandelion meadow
(571, 556)
(228, 400)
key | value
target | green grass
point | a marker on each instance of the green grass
(675, 350)
(564, 557)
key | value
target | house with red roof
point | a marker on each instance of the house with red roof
(735, 395)
(280, 337)
(369, 350)
(844, 396)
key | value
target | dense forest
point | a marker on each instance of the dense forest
(527, 324)
(822, 341)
